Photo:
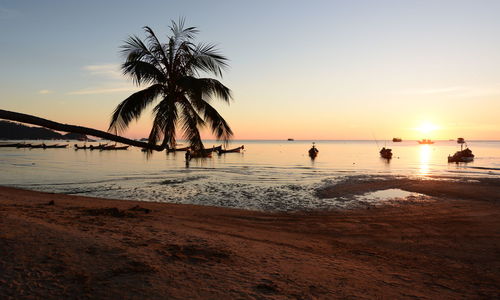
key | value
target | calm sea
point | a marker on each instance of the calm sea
(268, 175)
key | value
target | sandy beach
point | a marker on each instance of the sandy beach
(61, 246)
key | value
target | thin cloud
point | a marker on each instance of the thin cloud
(104, 90)
(45, 92)
(110, 78)
(110, 71)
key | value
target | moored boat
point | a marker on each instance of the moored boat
(461, 156)
(177, 149)
(55, 146)
(98, 147)
(37, 146)
(23, 145)
(386, 153)
(15, 145)
(114, 147)
(464, 155)
(235, 150)
(426, 142)
(313, 152)
(84, 147)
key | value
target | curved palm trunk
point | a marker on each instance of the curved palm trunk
(24, 118)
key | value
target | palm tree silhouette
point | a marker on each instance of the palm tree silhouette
(171, 72)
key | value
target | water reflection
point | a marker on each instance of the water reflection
(425, 157)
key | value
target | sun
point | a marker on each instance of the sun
(427, 127)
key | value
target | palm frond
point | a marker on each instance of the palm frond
(132, 107)
(143, 72)
(206, 57)
(134, 49)
(191, 122)
(165, 121)
(181, 33)
(220, 128)
(206, 88)
(156, 47)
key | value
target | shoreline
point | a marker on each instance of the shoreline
(344, 194)
(82, 247)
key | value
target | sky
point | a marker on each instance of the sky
(298, 69)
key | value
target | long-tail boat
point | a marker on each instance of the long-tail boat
(235, 150)
(84, 147)
(114, 147)
(170, 150)
(99, 147)
(15, 145)
(56, 146)
(37, 146)
(23, 145)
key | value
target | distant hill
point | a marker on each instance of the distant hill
(16, 131)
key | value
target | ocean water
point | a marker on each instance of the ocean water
(268, 175)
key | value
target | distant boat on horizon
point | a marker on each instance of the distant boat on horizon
(397, 140)
(426, 142)
(290, 140)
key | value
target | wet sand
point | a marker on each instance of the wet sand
(88, 248)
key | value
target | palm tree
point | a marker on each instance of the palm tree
(171, 73)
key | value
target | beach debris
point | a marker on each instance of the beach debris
(111, 211)
(196, 253)
(266, 287)
(139, 208)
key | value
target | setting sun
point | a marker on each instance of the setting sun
(427, 127)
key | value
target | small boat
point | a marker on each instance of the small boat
(397, 140)
(23, 145)
(200, 154)
(464, 155)
(290, 140)
(313, 152)
(38, 146)
(461, 156)
(425, 142)
(84, 147)
(235, 150)
(114, 147)
(98, 147)
(55, 146)
(213, 149)
(386, 153)
(16, 145)
(177, 149)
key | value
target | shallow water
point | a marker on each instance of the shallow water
(269, 175)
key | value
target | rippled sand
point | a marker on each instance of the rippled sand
(442, 245)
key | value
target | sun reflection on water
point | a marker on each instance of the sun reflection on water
(425, 156)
